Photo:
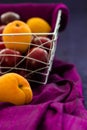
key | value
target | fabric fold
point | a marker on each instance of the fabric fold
(57, 105)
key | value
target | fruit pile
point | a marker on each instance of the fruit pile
(22, 51)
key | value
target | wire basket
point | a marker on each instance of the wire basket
(38, 75)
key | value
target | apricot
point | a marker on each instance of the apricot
(17, 42)
(15, 89)
(38, 25)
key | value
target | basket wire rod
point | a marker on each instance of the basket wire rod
(22, 34)
(55, 36)
(56, 31)
(37, 81)
(57, 26)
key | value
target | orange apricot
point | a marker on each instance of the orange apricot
(15, 89)
(38, 25)
(17, 42)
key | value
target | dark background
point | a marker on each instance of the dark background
(72, 46)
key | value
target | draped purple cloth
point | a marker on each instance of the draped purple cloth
(58, 105)
(45, 11)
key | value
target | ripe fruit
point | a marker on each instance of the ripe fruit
(9, 57)
(38, 25)
(15, 89)
(8, 17)
(2, 45)
(1, 30)
(37, 58)
(44, 41)
(22, 72)
(19, 43)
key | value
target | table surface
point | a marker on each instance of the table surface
(72, 46)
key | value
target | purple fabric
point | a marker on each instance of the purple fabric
(58, 105)
(46, 11)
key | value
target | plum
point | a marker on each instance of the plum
(9, 57)
(9, 17)
(2, 45)
(43, 41)
(37, 58)
(1, 30)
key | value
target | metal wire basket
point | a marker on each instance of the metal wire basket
(41, 74)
